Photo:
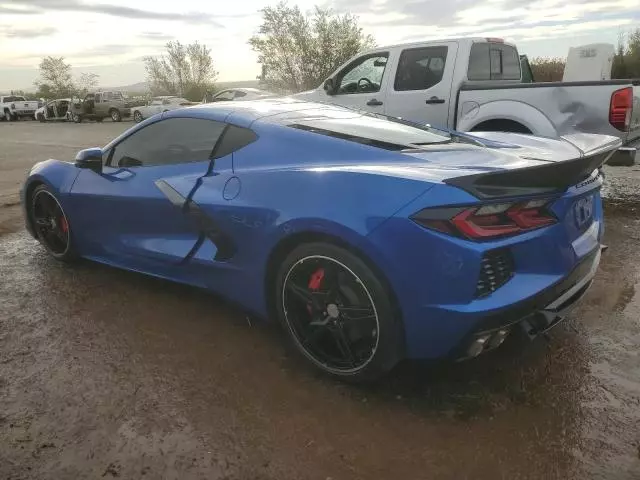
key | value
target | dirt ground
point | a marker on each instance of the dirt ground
(105, 373)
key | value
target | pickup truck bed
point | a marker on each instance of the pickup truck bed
(549, 109)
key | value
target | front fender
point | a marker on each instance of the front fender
(473, 114)
(57, 175)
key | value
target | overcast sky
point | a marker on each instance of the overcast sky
(110, 37)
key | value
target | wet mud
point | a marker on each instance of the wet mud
(105, 373)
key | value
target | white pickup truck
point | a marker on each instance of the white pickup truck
(13, 107)
(479, 84)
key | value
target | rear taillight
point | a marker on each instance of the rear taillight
(620, 108)
(488, 221)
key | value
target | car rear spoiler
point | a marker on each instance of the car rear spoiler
(549, 178)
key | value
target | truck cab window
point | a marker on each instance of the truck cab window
(493, 61)
(420, 68)
(363, 75)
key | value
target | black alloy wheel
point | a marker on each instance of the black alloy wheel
(338, 314)
(51, 223)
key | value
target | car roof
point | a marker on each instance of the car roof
(278, 110)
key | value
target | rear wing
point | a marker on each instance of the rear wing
(549, 178)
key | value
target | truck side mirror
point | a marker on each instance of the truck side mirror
(329, 86)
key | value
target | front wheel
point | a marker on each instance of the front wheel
(41, 118)
(137, 116)
(7, 116)
(76, 118)
(338, 312)
(115, 115)
(51, 223)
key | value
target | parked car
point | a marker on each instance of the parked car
(476, 84)
(100, 105)
(14, 107)
(237, 94)
(158, 105)
(370, 239)
(54, 110)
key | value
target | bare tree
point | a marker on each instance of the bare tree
(185, 70)
(298, 51)
(55, 77)
(86, 83)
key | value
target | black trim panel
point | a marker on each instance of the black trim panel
(208, 228)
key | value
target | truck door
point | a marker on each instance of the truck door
(362, 83)
(420, 89)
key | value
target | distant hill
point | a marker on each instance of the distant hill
(143, 87)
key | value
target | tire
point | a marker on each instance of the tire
(354, 318)
(41, 118)
(115, 115)
(76, 118)
(137, 116)
(7, 116)
(51, 224)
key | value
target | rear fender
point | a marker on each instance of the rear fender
(473, 114)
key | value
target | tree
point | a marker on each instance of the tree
(547, 69)
(626, 62)
(299, 51)
(186, 70)
(86, 83)
(55, 78)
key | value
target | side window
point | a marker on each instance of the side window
(222, 96)
(98, 98)
(156, 101)
(420, 68)
(106, 96)
(170, 141)
(363, 75)
(240, 93)
(491, 61)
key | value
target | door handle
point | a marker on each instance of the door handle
(374, 103)
(432, 100)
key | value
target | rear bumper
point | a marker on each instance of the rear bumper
(539, 313)
(623, 157)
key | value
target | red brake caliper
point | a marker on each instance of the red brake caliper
(64, 226)
(315, 282)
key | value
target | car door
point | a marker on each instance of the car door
(132, 213)
(101, 102)
(421, 87)
(362, 83)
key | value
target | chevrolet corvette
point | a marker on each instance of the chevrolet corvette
(369, 238)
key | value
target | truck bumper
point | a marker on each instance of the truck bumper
(623, 157)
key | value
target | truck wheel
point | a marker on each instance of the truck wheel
(7, 116)
(115, 115)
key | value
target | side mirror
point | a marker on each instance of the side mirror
(90, 158)
(329, 86)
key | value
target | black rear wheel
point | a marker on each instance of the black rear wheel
(51, 223)
(338, 312)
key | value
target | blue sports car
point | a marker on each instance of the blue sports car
(369, 238)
